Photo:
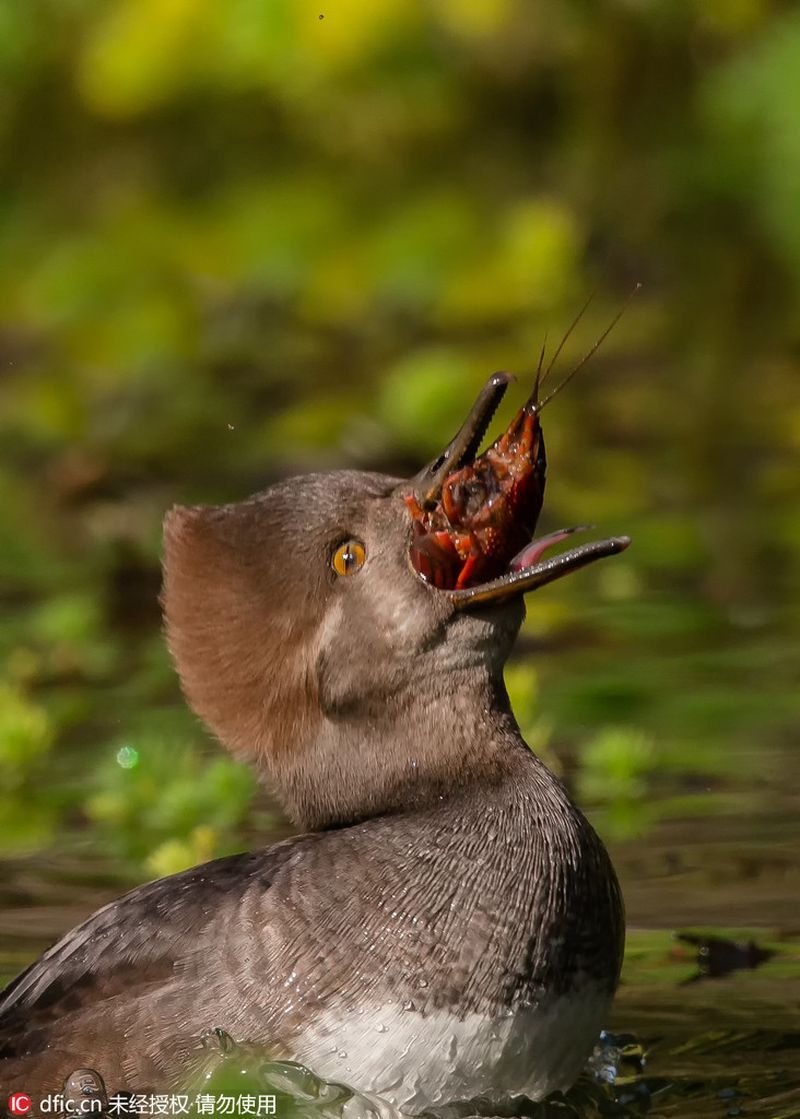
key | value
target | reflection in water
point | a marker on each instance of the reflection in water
(718, 956)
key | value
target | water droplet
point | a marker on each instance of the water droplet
(422, 982)
(381, 1029)
(409, 1005)
(127, 757)
(216, 1038)
(342, 1053)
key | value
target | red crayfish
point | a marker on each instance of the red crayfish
(473, 518)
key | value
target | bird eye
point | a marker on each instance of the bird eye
(348, 558)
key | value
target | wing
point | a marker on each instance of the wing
(129, 946)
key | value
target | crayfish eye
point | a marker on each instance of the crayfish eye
(349, 557)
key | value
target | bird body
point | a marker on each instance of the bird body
(449, 926)
(424, 958)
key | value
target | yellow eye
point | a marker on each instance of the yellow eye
(348, 558)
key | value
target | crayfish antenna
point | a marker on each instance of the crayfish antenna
(537, 405)
(533, 398)
(533, 404)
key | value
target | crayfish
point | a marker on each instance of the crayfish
(473, 518)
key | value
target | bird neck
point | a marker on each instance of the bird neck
(402, 752)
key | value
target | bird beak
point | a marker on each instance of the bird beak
(473, 518)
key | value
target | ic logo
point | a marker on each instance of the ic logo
(19, 1103)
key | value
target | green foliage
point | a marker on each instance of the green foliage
(522, 685)
(615, 767)
(158, 801)
(26, 736)
(748, 105)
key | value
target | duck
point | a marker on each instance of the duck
(446, 924)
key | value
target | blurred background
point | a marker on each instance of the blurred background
(246, 239)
